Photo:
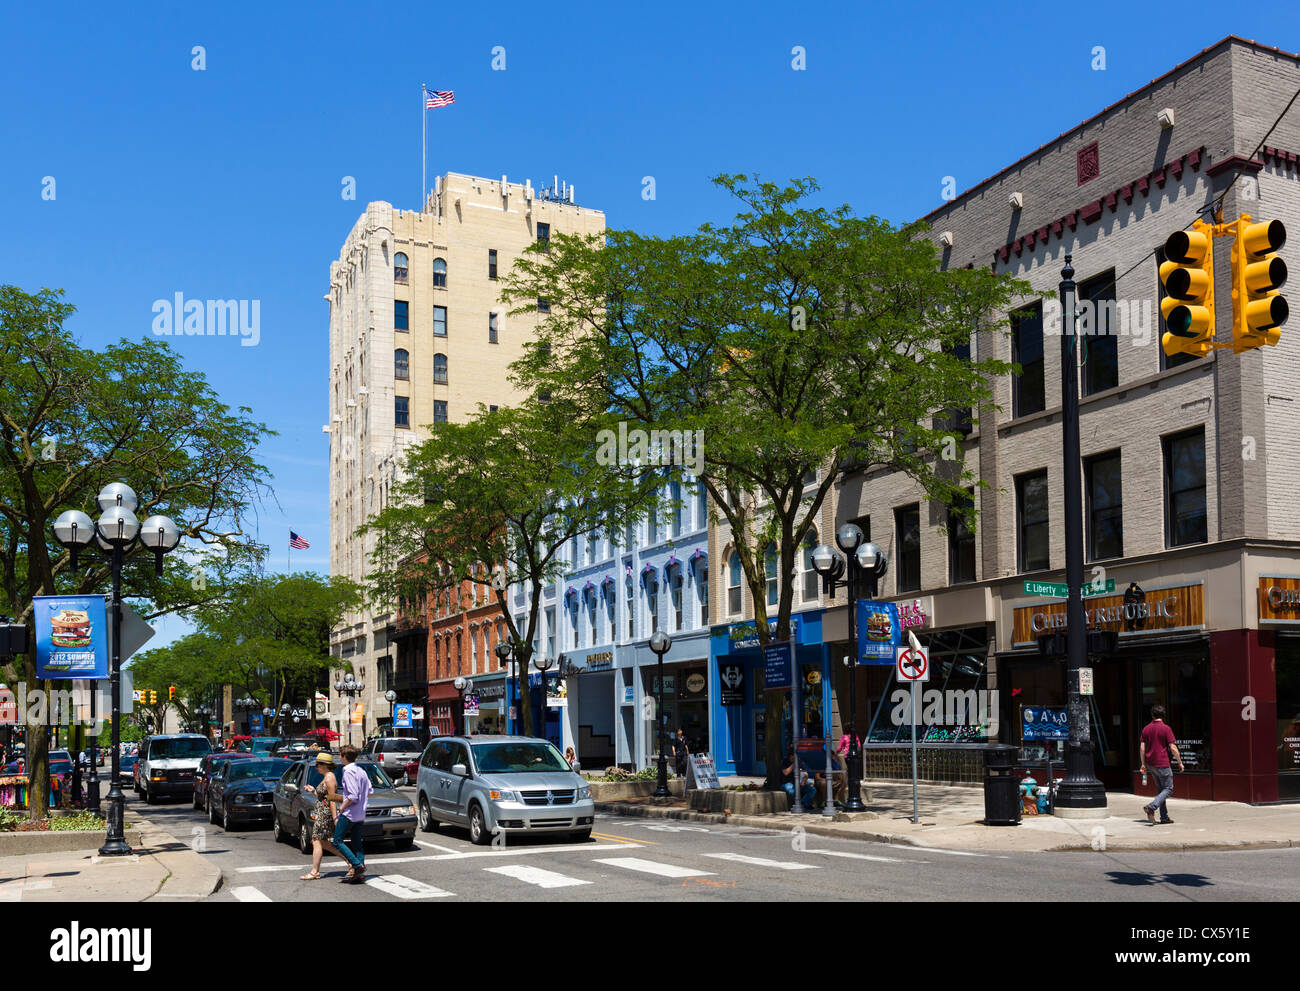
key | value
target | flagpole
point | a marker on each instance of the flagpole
(424, 141)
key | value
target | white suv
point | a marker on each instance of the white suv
(167, 765)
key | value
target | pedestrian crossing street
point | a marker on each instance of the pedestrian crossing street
(510, 875)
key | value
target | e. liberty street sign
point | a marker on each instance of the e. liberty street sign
(1060, 590)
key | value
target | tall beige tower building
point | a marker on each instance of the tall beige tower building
(419, 335)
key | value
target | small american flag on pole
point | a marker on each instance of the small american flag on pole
(438, 98)
(297, 542)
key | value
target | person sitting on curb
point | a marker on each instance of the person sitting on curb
(807, 793)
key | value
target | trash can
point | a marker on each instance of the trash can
(1001, 789)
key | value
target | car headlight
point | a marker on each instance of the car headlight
(502, 796)
(584, 793)
(405, 810)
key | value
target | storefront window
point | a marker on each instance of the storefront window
(1182, 685)
(1288, 719)
(956, 703)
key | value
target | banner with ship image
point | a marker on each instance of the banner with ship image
(71, 636)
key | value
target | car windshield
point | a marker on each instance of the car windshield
(178, 748)
(243, 769)
(518, 758)
(393, 746)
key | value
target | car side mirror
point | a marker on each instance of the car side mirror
(460, 770)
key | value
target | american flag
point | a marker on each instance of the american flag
(297, 542)
(438, 98)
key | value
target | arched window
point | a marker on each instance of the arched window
(399, 267)
(733, 584)
(439, 274)
(440, 369)
(401, 364)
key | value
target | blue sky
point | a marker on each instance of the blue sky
(225, 183)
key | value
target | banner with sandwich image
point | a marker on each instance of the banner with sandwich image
(880, 633)
(71, 636)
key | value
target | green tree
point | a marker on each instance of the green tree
(495, 500)
(799, 343)
(73, 419)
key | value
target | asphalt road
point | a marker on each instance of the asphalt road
(635, 859)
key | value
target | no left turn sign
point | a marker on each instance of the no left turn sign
(913, 664)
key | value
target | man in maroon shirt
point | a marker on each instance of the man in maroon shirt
(1156, 746)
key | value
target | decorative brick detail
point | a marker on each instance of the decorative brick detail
(1072, 219)
(1234, 162)
(1018, 245)
(1056, 227)
(1090, 212)
(1088, 163)
(1042, 233)
(1112, 200)
(1176, 167)
(1126, 191)
(1029, 240)
(1159, 176)
(1143, 185)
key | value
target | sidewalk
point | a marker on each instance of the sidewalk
(951, 818)
(161, 869)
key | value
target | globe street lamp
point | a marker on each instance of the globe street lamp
(348, 686)
(116, 532)
(391, 697)
(866, 565)
(463, 685)
(503, 651)
(659, 644)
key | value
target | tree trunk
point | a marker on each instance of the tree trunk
(38, 741)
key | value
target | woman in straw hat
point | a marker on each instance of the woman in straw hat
(322, 816)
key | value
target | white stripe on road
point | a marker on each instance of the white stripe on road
(400, 886)
(248, 893)
(434, 846)
(651, 867)
(866, 856)
(957, 853)
(784, 865)
(537, 876)
(503, 852)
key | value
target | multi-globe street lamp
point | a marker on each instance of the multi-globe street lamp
(349, 687)
(463, 685)
(659, 644)
(866, 565)
(116, 532)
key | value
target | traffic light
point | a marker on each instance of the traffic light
(1187, 273)
(153, 696)
(171, 694)
(1258, 309)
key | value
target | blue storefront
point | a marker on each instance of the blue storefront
(739, 731)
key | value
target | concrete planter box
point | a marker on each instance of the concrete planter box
(616, 791)
(58, 841)
(739, 803)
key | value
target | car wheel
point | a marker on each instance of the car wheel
(404, 843)
(427, 822)
(149, 797)
(581, 836)
(277, 833)
(212, 812)
(478, 831)
(304, 837)
(227, 823)
(197, 804)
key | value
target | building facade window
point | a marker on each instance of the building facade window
(629, 604)
(1104, 511)
(1028, 388)
(543, 305)
(772, 582)
(399, 268)
(401, 364)
(400, 314)
(439, 273)
(907, 529)
(1034, 544)
(702, 592)
(810, 578)
(961, 544)
(1100, 327)
(402, 411)
(675, 509)
(492, 329)
(652, 601)
(733, 584)
(440, 321)
(675, 591)
(492, 263)
(544, 233)
(440, 369)
(1185, 516)
(439, 411)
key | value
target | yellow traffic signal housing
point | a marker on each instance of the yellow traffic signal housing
(1188, 277)
(153, 696)
(1258, 309)
(171, 694)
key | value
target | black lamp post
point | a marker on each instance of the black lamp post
(503, 651)
(659, 643)
(866, 565)
(463, 685)
(116, 532)
(349, 687)
(1080, 790)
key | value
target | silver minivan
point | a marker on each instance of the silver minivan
(502, 784)
(392, 753)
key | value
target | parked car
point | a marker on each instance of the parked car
(240, 790)
(392, 753)
(297, 747)
(168, 764)
(411, 772)
(126, 765)
(509, 783)
(204, 771)
(263, 745)
(389, 814)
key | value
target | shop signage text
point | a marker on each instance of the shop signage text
(1159, 608)
(776, 663)
(602, 661)
(732, 679)
(1279, 599)
(1181, 607)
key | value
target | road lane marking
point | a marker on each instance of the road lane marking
(400, 886)
(503, 852)
(957, 853)
(784, 865)
(651, 867)
(535, 875)
(626, 839)
(434, 846)
(247, 893)
(866, 856)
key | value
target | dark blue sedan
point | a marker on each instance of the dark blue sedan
(240, 790)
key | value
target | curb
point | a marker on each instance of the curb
(185, 867)
(894, 839)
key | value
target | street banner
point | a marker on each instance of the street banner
(1044, 723)
(358, 713)
(71, 636)
(880, 633)
(401, 716)
(255, 722)
(732, 679)
(471, 705)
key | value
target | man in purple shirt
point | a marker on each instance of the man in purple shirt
(352, 816)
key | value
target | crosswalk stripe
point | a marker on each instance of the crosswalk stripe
(651, 867)
(784, 865)
(514, 851)
(537, 876)
(400, 886)
(247, 893)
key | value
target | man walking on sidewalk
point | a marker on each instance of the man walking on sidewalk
(352, 816)
(1156, 746)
